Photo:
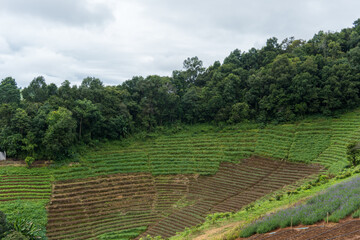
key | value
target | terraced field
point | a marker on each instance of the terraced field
(87, 208)
(24, 187)
(343, 131)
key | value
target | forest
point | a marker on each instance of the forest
(283, 81)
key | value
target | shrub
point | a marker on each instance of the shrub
(29, 161)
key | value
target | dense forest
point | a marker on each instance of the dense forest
(282, 81)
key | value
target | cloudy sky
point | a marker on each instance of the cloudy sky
(117, 39)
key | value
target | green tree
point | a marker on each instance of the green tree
(88, 117)
(60, 134)
(37, 91)
(193, 68)
(9, 92)
(239, 112)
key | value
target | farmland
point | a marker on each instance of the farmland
(162, 183)
(86, 208)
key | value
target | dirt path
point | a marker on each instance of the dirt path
(216, 233)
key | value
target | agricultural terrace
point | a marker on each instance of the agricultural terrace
(165, 204)
(170, 171)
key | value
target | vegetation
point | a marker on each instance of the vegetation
(339, 201)
(19, 229)
(183, 149)
(122, 235)
(264, 207)
(353, 151)
(282, 81)
(272, 102)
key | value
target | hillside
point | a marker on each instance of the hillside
(153, 182)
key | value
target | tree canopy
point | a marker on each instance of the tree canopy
(282, 81)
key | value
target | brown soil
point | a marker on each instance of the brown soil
(84, 208)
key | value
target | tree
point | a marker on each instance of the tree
(239, 112)
(60, 134)
(88, 116)
(37, 91)
(9, 92)
(353, 153)
(193, 68)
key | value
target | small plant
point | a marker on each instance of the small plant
(249, 207)
(292, 192)
(322, 179)
(29, 161)
(307, 186)
(278, 197)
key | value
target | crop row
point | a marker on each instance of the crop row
(14, 187)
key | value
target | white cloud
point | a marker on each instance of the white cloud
(115, 40)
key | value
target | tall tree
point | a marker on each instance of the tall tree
(60, 134)
(37, 91)
(9, 92)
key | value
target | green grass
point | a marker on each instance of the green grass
(122, 235)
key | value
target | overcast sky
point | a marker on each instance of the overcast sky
(115, 40)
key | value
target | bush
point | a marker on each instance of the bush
(29, 161)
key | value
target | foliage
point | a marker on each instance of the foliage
(27, 229)
(28, 216)
(353, 153)
(4, 225)
(282, 81)
(29, 161)
(61, 132)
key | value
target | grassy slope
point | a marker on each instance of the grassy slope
(195, 149)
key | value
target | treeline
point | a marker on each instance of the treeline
(282, 81)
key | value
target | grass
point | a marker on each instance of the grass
(122, 235)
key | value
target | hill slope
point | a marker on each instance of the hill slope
(195, 171)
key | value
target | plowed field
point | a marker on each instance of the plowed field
(166, 204)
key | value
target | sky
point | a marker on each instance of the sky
(115, 40)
